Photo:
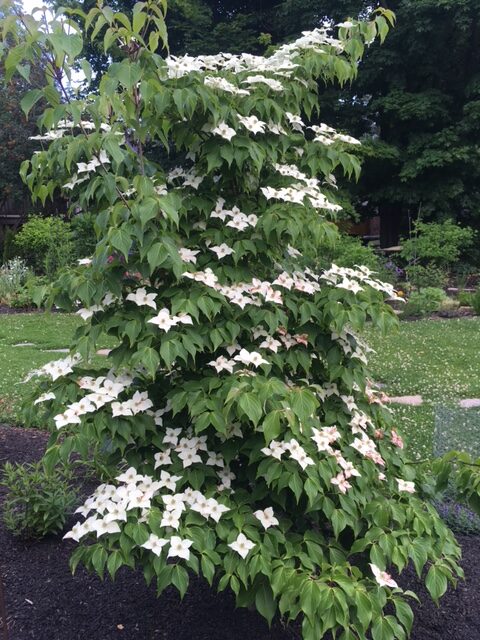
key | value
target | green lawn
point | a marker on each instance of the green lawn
(437, 359)
(46, 331)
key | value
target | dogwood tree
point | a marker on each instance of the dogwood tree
(233, 423)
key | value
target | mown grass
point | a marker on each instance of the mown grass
(46, 331)
(439, 360)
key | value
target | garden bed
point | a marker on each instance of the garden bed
(44, 602)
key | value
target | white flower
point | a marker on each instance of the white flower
(222, 129)
(188, 255)
(162, 458)
(44, 397)
(252, 123)
(163, 320)
(77, 532)
(275, 449)
(142, 298)
(346, 25)
(86, 314)
(404, 485)
(179, 548)
(341, 482)
(382, 577)
(140, 402)
(221, 363)
(168, 481)
(155, 544)
(242, 545)
(252, 357)
(84, 261)
(222, 250)
(171, 519)
(130, 476)
(266, 517)
(102, 527)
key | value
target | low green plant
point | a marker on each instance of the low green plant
(423, 302)
(428, 276)
(45, 243)
(83, 233)
(38, 501)
(465, 298)
(13, 275)
(476, 302)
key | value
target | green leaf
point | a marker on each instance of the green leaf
(271, 425)
(436, 582)
(180, 579)
(115, 561)
(30, 99)
(265, 602)
(120, 239)
(250, 405)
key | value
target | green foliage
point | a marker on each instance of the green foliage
(37, 501)
(421, 303)
(13, 276)
(426, 276)
(438, 243)
(475, 302)
(83, 234)
(45, 244)
(234, 420)
(465, 298)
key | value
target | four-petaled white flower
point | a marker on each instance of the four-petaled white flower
(222, 250)
(222, 129)
(383, 578)
(253, 124)
(155, 544)
(242, 545)
(222, 363)
(266, 517)
(188, 255)
(141, 298)
(179, 548)
(252, 357)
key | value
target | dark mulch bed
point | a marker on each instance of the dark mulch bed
(44, 602)
(6, 310)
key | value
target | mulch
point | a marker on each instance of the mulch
(44, 601)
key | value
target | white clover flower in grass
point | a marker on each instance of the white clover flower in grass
(383, 578)
(404, 485)
(266, 517)
(242, 545)
(222, 129)
(155, 544)
(141, 298)
(188, 255)
(179, 548)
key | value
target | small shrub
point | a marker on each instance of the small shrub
(37, 501)
(429, 276)
(437, 243)
(465, 298)
(13, 275)
(83, 234)
(476, 302)
(42, 240)
(423, 302)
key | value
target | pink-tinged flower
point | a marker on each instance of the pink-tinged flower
(188, 255)
(222, 251)
(396, 439)
(383, 578)
(341, 482)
